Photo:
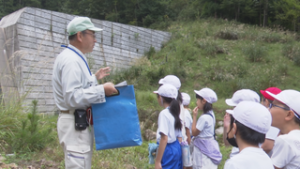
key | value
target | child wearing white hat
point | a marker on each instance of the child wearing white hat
(175, 81)
(237, 97)
(169, 154)
(246, 95)
(206, 152)
(188, 121)
(251, 122)
(285, 111)
(188, 118)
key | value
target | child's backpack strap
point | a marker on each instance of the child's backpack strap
(213, 123)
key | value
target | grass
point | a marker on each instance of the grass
(203, 53)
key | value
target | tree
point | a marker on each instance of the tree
(287, 13)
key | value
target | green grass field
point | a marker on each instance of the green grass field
(224, 56)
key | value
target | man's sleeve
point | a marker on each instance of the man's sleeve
(282, 153)
(75, 95)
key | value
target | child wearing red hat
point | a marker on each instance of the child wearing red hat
(267, 99)
(272, 134)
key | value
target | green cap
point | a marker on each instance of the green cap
(79, 24)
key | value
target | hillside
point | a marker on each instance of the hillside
(225, 56)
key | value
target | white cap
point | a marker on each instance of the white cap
(291, 98)
(160, 81)
(243, 95)
(295, 106)
(167, 90)
(208, 94)
(253, 115)
(171, 79)
(80, 24)
(185, 99)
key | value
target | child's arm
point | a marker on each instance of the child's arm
(226, 122)
(195, 131)
(161, 149)
(188, 134)
(179, 139)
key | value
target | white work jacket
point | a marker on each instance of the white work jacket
(73, 86)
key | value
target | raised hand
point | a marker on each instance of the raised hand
(195, 111)
(226, 120)
(101, 73)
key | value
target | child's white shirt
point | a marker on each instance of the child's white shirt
(206, 125)
(250, 158)
(182, 118)
(271, 134)
(286, 150)
(188, 120)
(166, 125)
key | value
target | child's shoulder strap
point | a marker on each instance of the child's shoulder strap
(213, 122)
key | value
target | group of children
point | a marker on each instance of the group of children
(264, 135)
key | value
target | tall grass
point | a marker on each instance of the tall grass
(22, 132)
(255, 53)
(292, 52)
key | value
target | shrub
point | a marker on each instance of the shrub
(255, 53)
(227, 35)
(288, 50)
(283, 70)
(31, 137)
(296, 58)
(150, 53)
(271, 38)
(238, 70)
(211, 48)
(292, 52)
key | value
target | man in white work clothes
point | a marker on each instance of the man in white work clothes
(75, 87)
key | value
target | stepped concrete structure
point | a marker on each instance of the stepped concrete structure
(30, 39)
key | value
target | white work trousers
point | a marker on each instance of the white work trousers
(77, 145)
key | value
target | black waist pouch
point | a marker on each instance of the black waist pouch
(80, 119)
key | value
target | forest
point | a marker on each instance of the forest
(284, 14)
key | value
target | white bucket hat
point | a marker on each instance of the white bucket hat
(171, 79)
(185, 99)
(243, 95)
(167, 90)
(208, 94)
(291, 98)
(253, 115)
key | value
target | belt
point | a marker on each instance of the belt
(66, 111)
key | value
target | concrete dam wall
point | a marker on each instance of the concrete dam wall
(30, 40)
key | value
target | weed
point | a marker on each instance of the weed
(296, 58)
(227, 35)
(136, 36)
(271, 37)
(150, 53)
(292, 52)
(289, 50)
(211, 48)
(283, 70)
(255, 53)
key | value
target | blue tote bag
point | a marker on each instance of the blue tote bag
(116, 122)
